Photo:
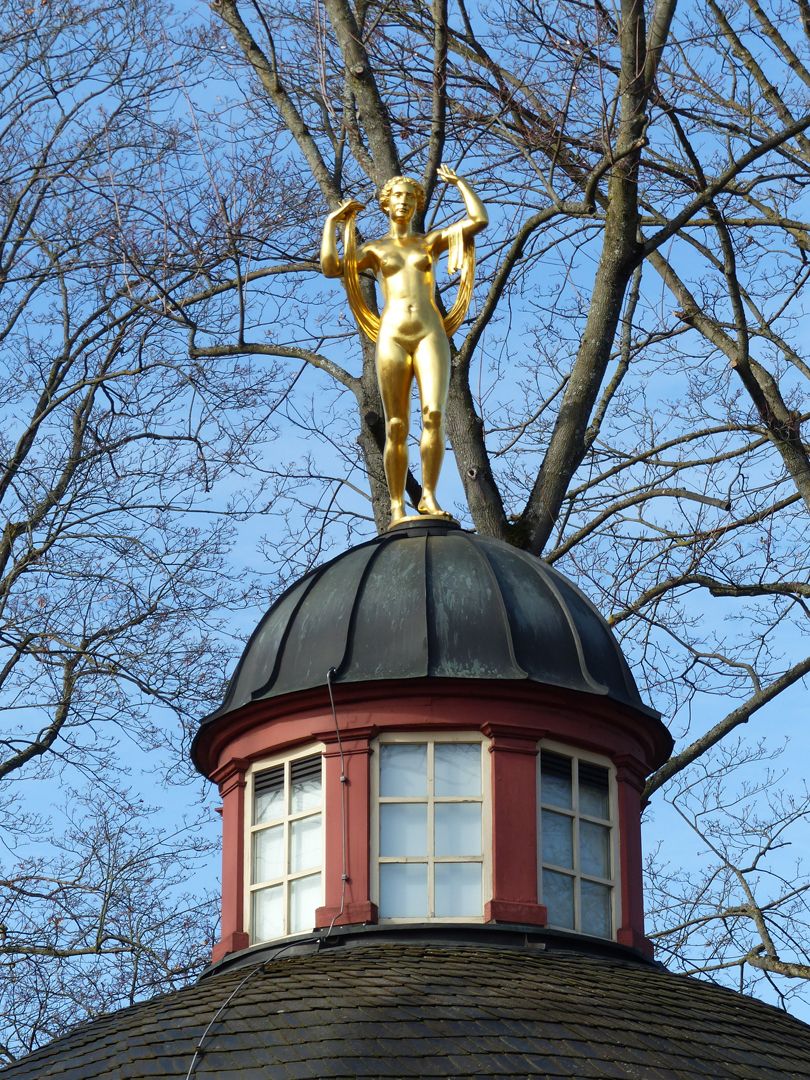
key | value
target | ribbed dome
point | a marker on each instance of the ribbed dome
(432, 601)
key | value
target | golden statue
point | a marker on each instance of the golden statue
(411, 335)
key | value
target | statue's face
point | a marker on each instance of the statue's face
(402, 202)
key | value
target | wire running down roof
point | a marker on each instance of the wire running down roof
(445, 1010)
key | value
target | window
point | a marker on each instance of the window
(286, 848)
(430, 850)
(576, 843)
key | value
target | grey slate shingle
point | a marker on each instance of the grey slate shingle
(462, 1011)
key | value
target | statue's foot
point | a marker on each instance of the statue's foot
(397, 513)
(428, 505)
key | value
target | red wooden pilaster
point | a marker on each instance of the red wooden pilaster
(231, 780)
(630, 784)
(514, 827)
(347, 808)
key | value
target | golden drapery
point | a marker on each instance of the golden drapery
(461, 255)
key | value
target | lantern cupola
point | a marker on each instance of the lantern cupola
(432, 729)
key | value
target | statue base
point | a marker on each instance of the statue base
(425, 519)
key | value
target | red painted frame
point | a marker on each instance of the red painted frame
(513, 716)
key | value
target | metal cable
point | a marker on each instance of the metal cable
(256, 968)
(344, 877)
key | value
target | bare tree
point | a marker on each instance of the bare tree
(628, 396)
(742, 909)
(103, 914)
(115, 446)
(122, 466)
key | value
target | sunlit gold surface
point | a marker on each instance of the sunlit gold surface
(411, 336)
(422, 518)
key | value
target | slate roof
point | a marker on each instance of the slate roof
(430, 600)
(446, 1010)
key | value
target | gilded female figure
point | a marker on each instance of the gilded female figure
(411, 336)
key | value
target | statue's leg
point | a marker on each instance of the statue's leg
(432, 369)
(395, 375)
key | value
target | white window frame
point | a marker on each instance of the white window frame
(287, 761)
(485, 859)
(614, 881)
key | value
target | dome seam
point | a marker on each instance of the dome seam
(546, 575)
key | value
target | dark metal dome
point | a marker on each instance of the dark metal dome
(430, 600)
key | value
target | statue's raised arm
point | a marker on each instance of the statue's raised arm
(411, 334)
(461, 246)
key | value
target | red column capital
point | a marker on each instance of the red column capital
(513, 737)
(629, 770)
(230, 775)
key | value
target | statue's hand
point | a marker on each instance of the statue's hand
(345, 210)
(444, 172)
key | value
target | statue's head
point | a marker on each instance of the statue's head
(396, 183)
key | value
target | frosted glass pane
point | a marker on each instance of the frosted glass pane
(595, 901)
(403, 891)
(458, 889)
(305, 785)
(593, 790)
(458, 768)
(403, 769)
(403, 829)
(558, 843)
(268, 913)
(305, 896)
(268, 854)
(594, 849)
(305, 843)
(268, 804)
(458, 828)
(558, 896)
(555, 780)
